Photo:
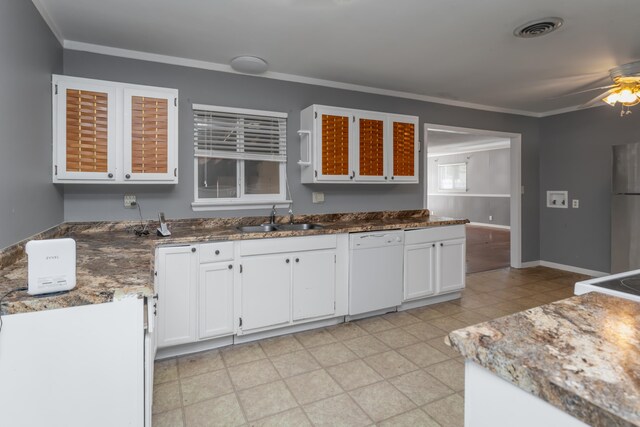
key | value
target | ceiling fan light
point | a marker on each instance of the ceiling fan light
(612, 99)
(626, 96)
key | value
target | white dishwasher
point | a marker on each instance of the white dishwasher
(375, 271)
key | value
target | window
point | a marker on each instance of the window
(240, 158)
(452, 177)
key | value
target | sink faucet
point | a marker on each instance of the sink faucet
(272, 215)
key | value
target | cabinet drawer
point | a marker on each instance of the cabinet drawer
(287, 244)
(434, 234)
(217, 251)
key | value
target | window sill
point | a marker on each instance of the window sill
(238, 205)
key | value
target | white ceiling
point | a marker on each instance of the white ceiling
(445, 142)
(460, 50)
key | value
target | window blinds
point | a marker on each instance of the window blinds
(239, 135)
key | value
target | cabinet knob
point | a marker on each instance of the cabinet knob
(110, 175)
(393, 177)
(193, 249)
(287, 261)
(127, 176)
(441, 244)
(217, 252)
(385, 178)
(297, 259)
(433, 245)
(230, 266)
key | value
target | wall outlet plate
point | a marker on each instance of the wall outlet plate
(317, 197)
(575, 203)
(557, 199)
(130, 201)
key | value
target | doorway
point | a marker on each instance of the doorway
(476, 174)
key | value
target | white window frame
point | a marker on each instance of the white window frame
(451, 190)
(243, 201)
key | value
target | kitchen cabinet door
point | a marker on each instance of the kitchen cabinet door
(451, 265)
(333, 131)
(314, 284)
(150, 135)
(215, 300)
(177, 295)
(405, 147)
(419, 270)
(370, 147)
(265, 291)
(84, 129)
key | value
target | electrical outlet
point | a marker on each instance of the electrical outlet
(317, 197)
(575, 203)
(490, 217)
(130, 201)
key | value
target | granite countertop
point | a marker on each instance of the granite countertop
(581, 354)
(112, 263)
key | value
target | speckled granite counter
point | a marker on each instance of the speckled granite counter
(113, 263)
(581, 354)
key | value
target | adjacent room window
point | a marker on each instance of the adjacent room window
(452, 177)
(240, 157)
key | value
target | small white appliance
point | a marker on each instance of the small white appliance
(623, 285)
(51, 265)
(375, 271)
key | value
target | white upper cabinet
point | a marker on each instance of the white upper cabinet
(108, 132)
(341, 145)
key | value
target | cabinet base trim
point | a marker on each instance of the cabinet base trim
(194, 347)
(429, 300)
(239, 339)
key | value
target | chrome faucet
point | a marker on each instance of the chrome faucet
(272, 216)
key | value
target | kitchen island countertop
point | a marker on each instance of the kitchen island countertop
(112, 263)
(581, 355)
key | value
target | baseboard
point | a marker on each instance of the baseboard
(573, 269)
(482, 224)
(563, 267)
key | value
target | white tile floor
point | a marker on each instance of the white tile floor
(391, 370)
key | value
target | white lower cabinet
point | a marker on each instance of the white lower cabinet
(215, 300)
(419, 270)
(451, 265)
(265, 291)
(314, 278)
(177, 269)
(434, 261)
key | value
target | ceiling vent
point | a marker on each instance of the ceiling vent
(538, 28)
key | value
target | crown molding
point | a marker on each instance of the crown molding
(48, 20)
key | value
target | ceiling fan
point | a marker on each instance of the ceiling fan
(625, 89)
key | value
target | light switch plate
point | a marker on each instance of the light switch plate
(557, 199)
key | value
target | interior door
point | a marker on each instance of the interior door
(265, 291)
(314, 284)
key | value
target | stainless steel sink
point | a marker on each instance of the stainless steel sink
(302, 226)
(264, 228)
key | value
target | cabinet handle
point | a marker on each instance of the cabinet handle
(127, 176)
(287, 261)
(297, 259)
(110, 175)
(217, 252)
(193, 249)
(230, 266)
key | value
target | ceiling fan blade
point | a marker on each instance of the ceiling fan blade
(583, 91)
(597, 99)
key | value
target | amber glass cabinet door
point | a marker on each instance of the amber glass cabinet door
(334, 131)
(371, 151)
(405, 148)
(150, 135)
(85, 131)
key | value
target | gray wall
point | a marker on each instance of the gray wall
(575, 155)
(488, 172)
(94, 202)
(29, 202)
